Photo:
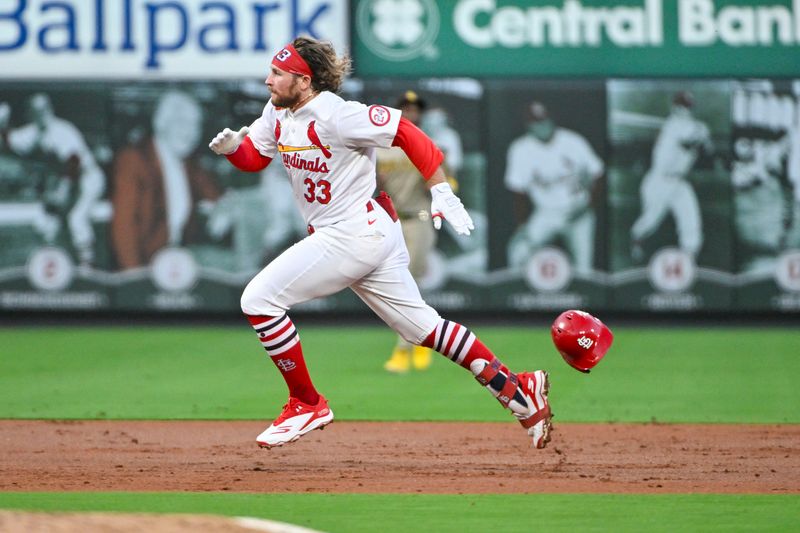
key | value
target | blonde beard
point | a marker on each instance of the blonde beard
(294, 101)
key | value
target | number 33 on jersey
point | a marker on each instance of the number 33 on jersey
(315, 191)
(327, 147)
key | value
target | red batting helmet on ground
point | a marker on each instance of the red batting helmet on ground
(581, 339)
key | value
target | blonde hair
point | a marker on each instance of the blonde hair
(329, 70)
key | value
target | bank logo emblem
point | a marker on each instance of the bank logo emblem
(398, 30)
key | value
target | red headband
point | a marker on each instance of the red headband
(289, 60)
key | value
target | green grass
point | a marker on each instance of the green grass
(354, 513)
(670, 375)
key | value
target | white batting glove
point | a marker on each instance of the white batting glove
(227, 141)
(446, 205)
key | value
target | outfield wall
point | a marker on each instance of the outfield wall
(93, 218)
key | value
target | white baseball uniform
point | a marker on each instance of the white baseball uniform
(758, 193)
(557, 177)
(664, 188)
(327, 147)
(793, 163)
(63, 139)
(793, 169)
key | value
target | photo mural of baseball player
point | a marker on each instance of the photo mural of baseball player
(453, 275)
(187, 232)
(547, 171)
(668, 189)
(765, 176)
(53, 155)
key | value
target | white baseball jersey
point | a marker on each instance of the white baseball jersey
(678, 144)
(760, 161)
(64, 140)
(663, 190)
(793, 163)
(59, 137)
(552, 174)
(328, 149)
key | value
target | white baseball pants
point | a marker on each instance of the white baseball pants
(366, 252)
(662, 194)
(544, 225)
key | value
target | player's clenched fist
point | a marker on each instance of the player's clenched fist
(446, 205)
(227, 141)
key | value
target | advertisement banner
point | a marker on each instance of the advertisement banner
(604, 38)
(669, 201)
(651, 195)
(139, 39)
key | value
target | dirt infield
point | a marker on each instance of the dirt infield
(402, 457)
(26, 522)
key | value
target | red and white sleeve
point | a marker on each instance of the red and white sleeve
(248, 158)
(419, 148)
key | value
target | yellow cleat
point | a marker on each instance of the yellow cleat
(421, 357)
(399, 362)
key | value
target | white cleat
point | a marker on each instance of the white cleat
(534, 387)
(525, 394)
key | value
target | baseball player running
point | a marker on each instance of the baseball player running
(327, 146)
(664, 188)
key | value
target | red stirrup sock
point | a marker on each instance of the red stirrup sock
(455, 341)
(279, 338)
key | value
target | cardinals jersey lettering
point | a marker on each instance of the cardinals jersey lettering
(328, 149)
(555, 174)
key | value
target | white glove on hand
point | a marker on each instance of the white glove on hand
(446, 205)
(227, 141)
